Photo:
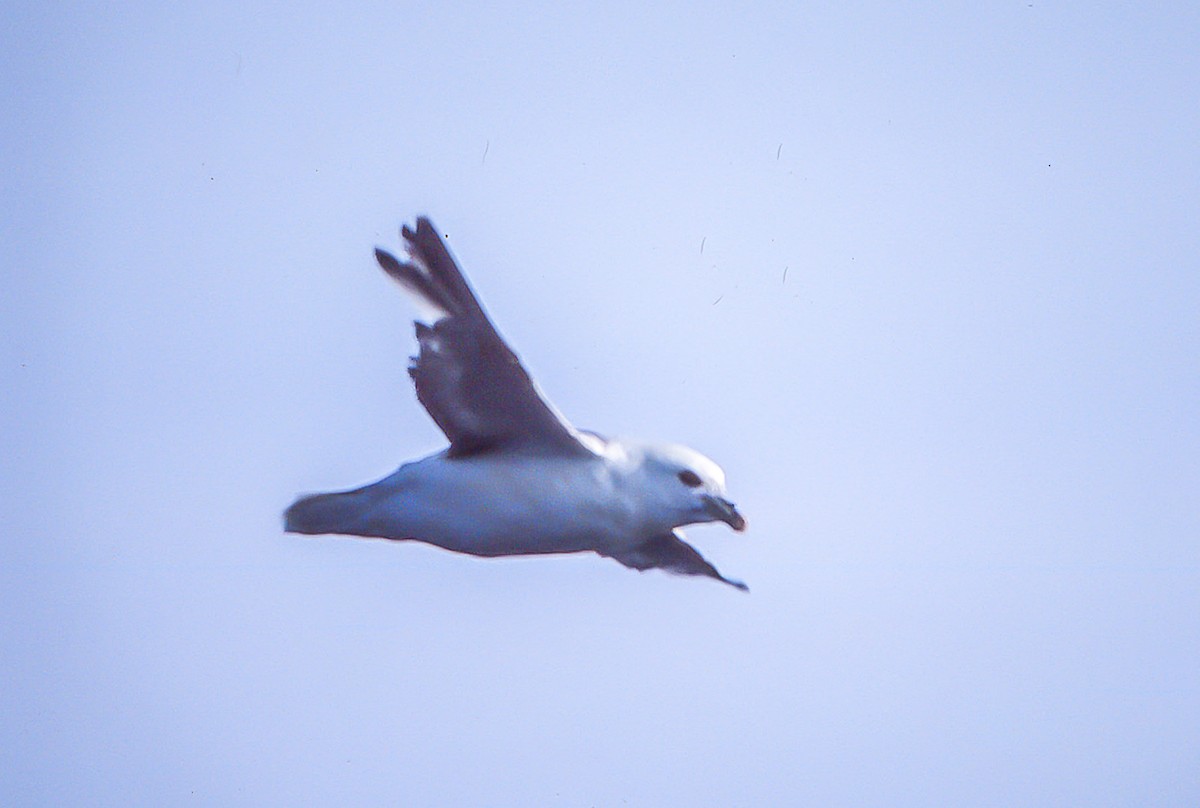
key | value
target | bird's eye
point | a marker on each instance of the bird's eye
(689, 478)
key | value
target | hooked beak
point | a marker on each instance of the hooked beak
(723, 510)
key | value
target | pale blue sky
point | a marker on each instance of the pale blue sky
(924, 278)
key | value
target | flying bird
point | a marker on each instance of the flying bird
(517, 477)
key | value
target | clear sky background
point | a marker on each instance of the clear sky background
(924, 278)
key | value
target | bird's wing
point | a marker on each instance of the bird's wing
(468, 379)
(668, 551)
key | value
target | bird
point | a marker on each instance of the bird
(517, 478)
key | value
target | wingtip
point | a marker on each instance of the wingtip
(390, 264)
(424, 227)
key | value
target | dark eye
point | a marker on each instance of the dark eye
(689, 478)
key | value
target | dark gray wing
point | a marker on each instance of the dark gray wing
(668, 551)
(467, 378)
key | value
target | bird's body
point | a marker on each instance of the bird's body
(517, 479)
(480, 505)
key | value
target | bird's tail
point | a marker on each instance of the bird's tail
(324, 513)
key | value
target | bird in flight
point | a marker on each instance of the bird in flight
(517, 477)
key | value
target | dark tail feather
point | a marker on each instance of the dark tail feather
(324, 513)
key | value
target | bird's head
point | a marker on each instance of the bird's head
(689, 485)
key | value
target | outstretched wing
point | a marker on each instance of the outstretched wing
(668, 551)
(467, 378)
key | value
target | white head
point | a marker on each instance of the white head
(685, 485)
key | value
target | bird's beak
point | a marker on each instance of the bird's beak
(723, 510)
